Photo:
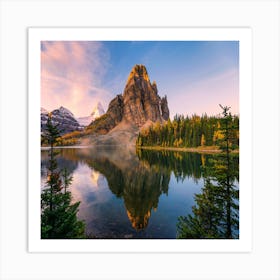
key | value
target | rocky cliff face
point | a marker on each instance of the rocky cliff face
(108, 121)
(141, 99)
(139, 104)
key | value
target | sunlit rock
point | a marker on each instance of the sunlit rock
(138, 106)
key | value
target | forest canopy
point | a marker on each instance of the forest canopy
(191, 131)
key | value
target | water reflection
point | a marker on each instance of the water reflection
(138, 183)
(182, 164)
(216, 213)
(128, 194)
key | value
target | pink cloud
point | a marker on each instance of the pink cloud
(71, 75)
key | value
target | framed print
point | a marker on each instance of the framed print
(140, 139)
(130, 214)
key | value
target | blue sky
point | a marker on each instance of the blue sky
(196, 76)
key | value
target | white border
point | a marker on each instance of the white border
(243, 35)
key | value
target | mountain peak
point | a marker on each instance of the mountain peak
(141, 102)
(61, 116)
(139, 105)
(97, 111)
(64, 111)
(139, 71)
(44, 111)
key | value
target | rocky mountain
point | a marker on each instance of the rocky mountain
(62, 116)
(139, 105)
(97, 112)
(141, 100)
(44, 118)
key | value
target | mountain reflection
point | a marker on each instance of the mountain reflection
(139, 184)
(139, 178)
(70, 163)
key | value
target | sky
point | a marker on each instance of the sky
(196, 76)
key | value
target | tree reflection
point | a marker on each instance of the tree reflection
(141, 178)
(68, 162)
(216, 213)
(181, 163)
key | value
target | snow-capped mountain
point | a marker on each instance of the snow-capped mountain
(64, 112)
(62, 116)
(44, 118)
(44, 111)
(97, 112)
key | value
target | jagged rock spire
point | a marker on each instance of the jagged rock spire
(139, 103)
(141, 100)
(139, 71)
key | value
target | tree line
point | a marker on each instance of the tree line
(191, 131)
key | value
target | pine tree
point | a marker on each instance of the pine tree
(216, 213)
(194, 131)
(205, 221)
(58, 215)
(203, 141)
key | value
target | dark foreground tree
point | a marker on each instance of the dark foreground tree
(58, 214)
(216, 213)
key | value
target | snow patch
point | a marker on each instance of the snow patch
(97, 112)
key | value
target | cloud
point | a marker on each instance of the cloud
(72, 75)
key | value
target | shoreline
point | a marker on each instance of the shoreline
(64, 147)
(202, 150)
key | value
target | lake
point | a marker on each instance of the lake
(126, 193)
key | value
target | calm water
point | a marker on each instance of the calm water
(128, 194)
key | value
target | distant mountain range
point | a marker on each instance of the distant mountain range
(67, 121)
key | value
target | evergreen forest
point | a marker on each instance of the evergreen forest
(191, 132)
